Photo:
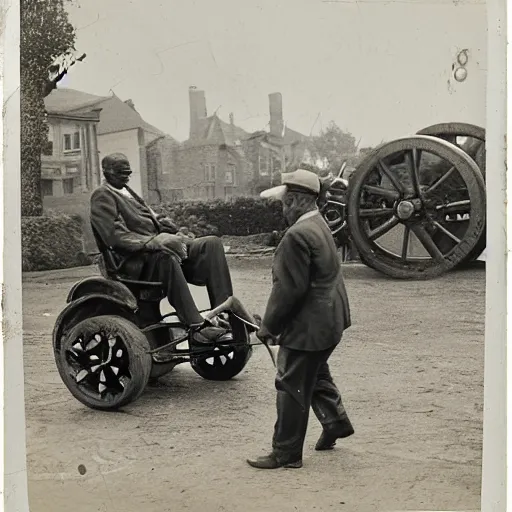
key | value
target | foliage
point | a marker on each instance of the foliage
(52, 242)
(239, 216)
(45, 34)
(332, 145)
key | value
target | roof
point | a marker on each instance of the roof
(232, 132)
(290, 137)
(116, 115)
(214, 130)
(61, 101)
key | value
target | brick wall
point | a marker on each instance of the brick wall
(177, 170)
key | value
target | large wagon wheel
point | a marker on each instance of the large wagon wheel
(471, 139)
(400, 203)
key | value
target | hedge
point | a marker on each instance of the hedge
(52, 242)
(240, 216)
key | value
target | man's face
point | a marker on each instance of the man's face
(295, 205)
(119, 174)
(289, 208)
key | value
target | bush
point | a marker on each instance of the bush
(239, 216)
(52, 242)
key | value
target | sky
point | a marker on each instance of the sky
(380, 70)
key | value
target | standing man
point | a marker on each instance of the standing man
(306, 314)
(150, 248)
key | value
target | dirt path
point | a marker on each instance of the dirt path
(410, 370)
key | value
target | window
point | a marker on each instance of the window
(230, 174)
(263, 163)
(209, 172)
(47, 188)
(72, 141)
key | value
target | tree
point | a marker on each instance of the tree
(333, 146)
(46, 36)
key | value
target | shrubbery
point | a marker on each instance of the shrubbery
(56, 240)
(239, 216)
(52, 242)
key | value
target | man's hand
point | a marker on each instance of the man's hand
(166, 242)
(167, 224)
(265, 336)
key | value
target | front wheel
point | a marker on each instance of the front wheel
(224, 362)
(104, 363)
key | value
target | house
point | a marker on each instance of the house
(219, 159)
(118, 128)
(210, 164)
(122, 129)
(70, 163)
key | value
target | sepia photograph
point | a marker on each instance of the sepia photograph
(255, 254)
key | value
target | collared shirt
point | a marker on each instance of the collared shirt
(122, 191)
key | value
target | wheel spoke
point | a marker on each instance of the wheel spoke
(405, 245)
(381, 191)
(414, 157)
(375, 212)
(454, 206)
(440, 181)
(428, 243)
(383, 228)
(446, 232)
(392, 178)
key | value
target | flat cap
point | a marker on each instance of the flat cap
(300, 180)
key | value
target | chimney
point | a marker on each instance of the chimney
(231, 119)
(276, 114)
(130, 104)
(197, 110)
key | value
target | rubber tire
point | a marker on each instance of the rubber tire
(366, 250)
(237, 364)
(140, 361)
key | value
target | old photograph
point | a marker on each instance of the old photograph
(253, 245)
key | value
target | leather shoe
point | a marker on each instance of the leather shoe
(270, 462)
(328, 439)
(208, 335)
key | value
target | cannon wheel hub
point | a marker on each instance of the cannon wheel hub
(404, 210)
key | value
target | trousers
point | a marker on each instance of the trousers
(304, 380)
(206, 265)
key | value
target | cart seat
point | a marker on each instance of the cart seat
(112, 265)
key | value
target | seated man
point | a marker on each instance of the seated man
(153, 250)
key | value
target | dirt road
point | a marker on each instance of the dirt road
(410, 370)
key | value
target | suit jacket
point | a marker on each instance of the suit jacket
(124, 223)
(308, 306)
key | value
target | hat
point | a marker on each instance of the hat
(300, 180)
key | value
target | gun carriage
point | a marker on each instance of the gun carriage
(415, 207)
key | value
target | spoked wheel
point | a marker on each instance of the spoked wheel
(468, 137)
(402, 200)
(471, 139)
(224, 362)
(103, 361)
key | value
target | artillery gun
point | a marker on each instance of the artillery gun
(415, 207)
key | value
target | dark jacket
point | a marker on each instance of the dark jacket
(308, 305)
(124, 224)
